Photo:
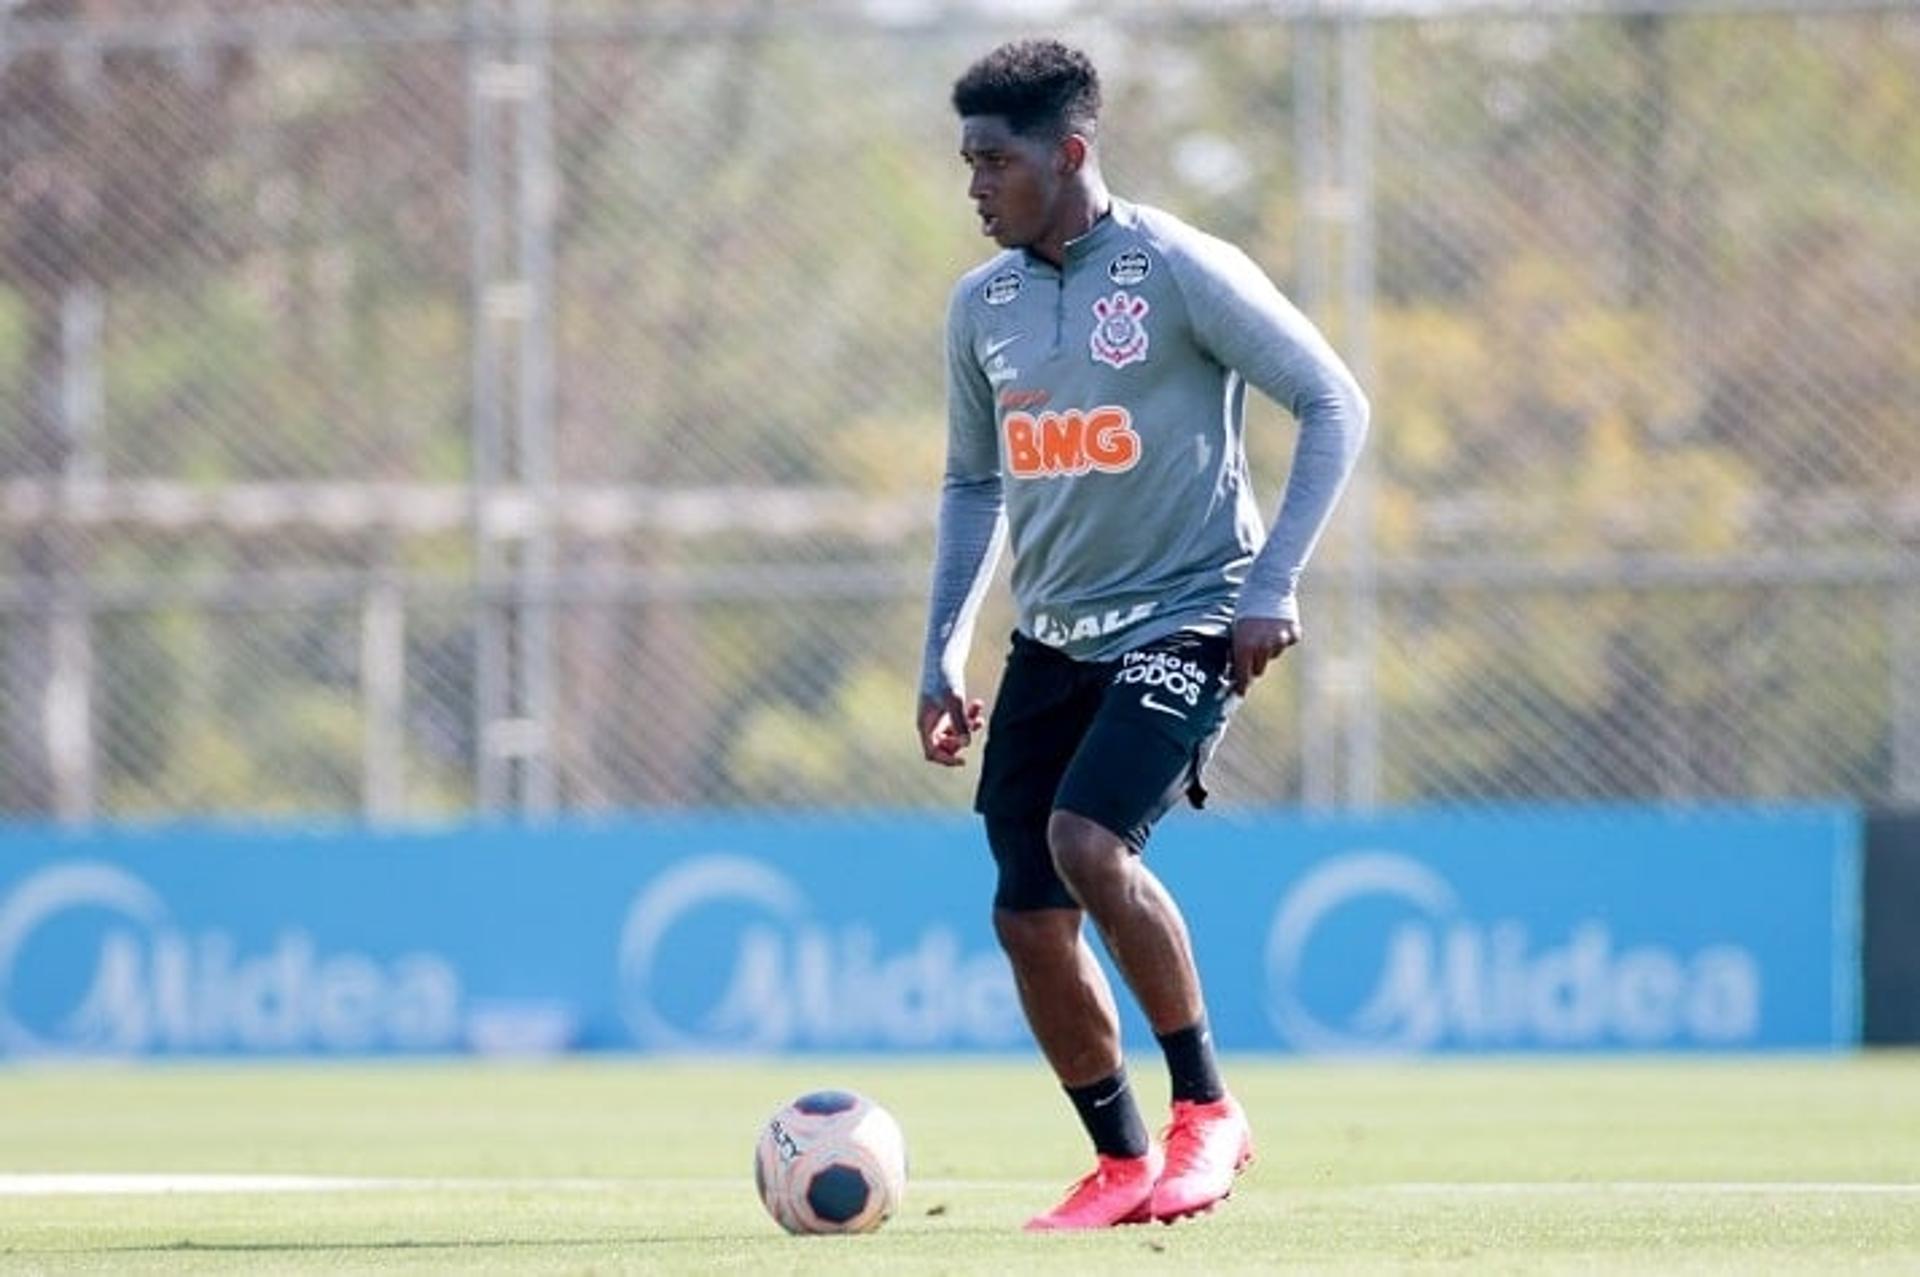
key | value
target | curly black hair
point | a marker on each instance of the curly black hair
(1040, 86)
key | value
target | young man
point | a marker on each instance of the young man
(1096, 372)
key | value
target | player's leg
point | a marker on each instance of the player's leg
(1137, 917)
(1162, 715)
(1043, 706)
(1070, 1008)
(1064, 993)
(1162, 712)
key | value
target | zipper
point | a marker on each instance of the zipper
(1060, 310)
(1059, 303)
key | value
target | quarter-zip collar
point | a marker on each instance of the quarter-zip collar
(1118, 217)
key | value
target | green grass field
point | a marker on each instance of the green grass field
(1748, 1166)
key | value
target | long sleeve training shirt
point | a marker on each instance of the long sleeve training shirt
(1096, 419)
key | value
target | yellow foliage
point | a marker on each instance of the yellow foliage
(888, 455)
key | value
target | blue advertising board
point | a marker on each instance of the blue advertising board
(1517, 930)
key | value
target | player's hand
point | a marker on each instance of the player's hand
(1257, 640)
(947, 727)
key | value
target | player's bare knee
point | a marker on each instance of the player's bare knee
(1089, 858)
(1036, 935)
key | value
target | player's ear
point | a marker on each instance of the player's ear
(1071, 155)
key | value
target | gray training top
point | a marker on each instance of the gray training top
(1101, 409)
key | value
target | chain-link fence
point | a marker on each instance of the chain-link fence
(537, 405)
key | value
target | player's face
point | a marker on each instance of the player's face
(1016, 182)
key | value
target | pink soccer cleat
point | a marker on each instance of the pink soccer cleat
(1207, 1145)
(1119, 1190)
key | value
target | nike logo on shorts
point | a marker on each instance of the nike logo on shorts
(1148, 700)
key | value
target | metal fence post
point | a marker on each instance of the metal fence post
(1361, 703)
(514, 550)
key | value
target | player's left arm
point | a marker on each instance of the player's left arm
(1247, 324)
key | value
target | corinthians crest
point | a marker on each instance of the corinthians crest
(1119, 333)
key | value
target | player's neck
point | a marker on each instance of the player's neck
(1080, 213)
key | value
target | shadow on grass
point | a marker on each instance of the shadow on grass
(187, 1246)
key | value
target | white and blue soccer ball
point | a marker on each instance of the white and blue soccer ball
(831, 1162)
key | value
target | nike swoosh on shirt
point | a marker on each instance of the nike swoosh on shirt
(995, 347)
(1147, 699)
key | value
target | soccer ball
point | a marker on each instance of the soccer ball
(831, 1162)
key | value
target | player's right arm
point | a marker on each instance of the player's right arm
(968, 539)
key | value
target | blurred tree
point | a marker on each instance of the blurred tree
(104, 185)
(1646, 291)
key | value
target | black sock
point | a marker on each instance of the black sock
(1190, 1063)
(1111, 1117)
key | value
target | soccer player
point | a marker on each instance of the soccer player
(1096, 390)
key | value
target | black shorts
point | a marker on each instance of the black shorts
(1119, 742)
